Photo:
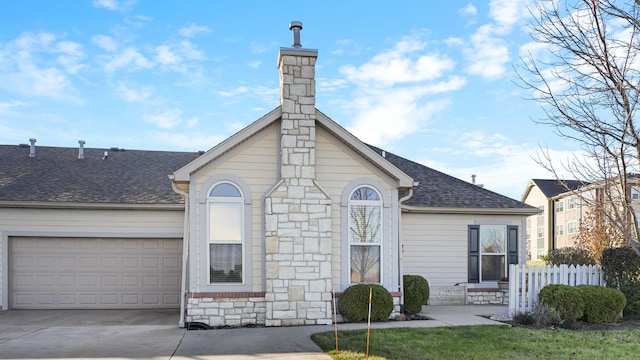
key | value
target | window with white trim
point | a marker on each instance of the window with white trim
(571, 203)
(365, 235)
(540, 232)
(560, 229)
(491, 249)
(225, 233)
(559, 205)
(571, 227)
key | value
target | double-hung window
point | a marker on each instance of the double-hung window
(491, 249)
(225, 234)
(365, 235)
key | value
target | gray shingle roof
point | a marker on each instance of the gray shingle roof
(436, 189)
(57, 175)
(551, 188)
(141, 177)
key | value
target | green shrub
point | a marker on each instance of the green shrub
(620, 266)
(566, 300)
(353, 304)
(601, 304)
(569, 256)
(632, 294)
(416, 293)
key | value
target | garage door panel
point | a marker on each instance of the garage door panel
(94, 273)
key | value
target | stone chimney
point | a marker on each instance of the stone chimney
(297, 210)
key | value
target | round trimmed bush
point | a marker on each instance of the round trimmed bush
(416, 293)
(353, 304)
(564, 299)
(601, 304)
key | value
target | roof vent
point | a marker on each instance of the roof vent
(295, 27)
(106, 155)
(81, 149)
(32, 147)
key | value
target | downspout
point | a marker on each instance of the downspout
(400, 245)
(185, 252)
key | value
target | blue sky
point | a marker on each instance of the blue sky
(431, 81)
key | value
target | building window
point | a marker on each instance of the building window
(540, 232)
(491, 249)
(528, 233)
(225, 233)
(540, 254)
(365, 235)
(571, 227)
(635, 193)
(559, 205)
(571, 203)
(559, 229)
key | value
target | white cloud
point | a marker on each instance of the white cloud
(167, 119)
(71, 55)
(506, 13)
(130, 58)
(192, 30)
(189, 141)
(255, 64)
(397, 92)
(114, 5)
(165, 56)
(488, 55)
(503, 166)
(27, 67)
(233, 92)
(469, 10)
(137, 95)
(5, 107)
(400, 65)
(105, 42)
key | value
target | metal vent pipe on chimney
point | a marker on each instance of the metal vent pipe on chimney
(81, 149)
(295, 27)
(32, 147)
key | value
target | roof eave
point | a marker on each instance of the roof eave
(89, 206)
(481, 211)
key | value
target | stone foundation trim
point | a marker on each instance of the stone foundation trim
(487, 296)
(229, 295)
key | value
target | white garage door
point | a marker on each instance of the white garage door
(94, 273)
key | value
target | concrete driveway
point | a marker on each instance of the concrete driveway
(142, 334)
(154, 334)
(84, 334)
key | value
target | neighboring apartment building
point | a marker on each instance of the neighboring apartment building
(557, 225)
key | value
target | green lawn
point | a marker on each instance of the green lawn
(483, 342)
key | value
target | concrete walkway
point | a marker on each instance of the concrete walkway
(114, 334)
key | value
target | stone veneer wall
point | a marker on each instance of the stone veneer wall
(481, 296)
(226, 309)
(297, 211)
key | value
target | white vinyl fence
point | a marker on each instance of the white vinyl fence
(525, 282)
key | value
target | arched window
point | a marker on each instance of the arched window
(365, 235)
(226, 233)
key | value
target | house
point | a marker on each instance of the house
(557, 224)
(261, 229)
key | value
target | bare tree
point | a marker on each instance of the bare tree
(588, 79)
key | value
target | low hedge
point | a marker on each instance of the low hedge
(416, 293)
(601, 304)
(565, 299)
(353, 304)
(590, 303)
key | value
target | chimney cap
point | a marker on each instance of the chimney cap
(295, 27)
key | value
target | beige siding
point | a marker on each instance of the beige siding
(337, 166)
(537, 198)
(255, 161)
(85, 223)
(436, 246)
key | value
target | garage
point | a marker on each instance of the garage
(94, 273)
